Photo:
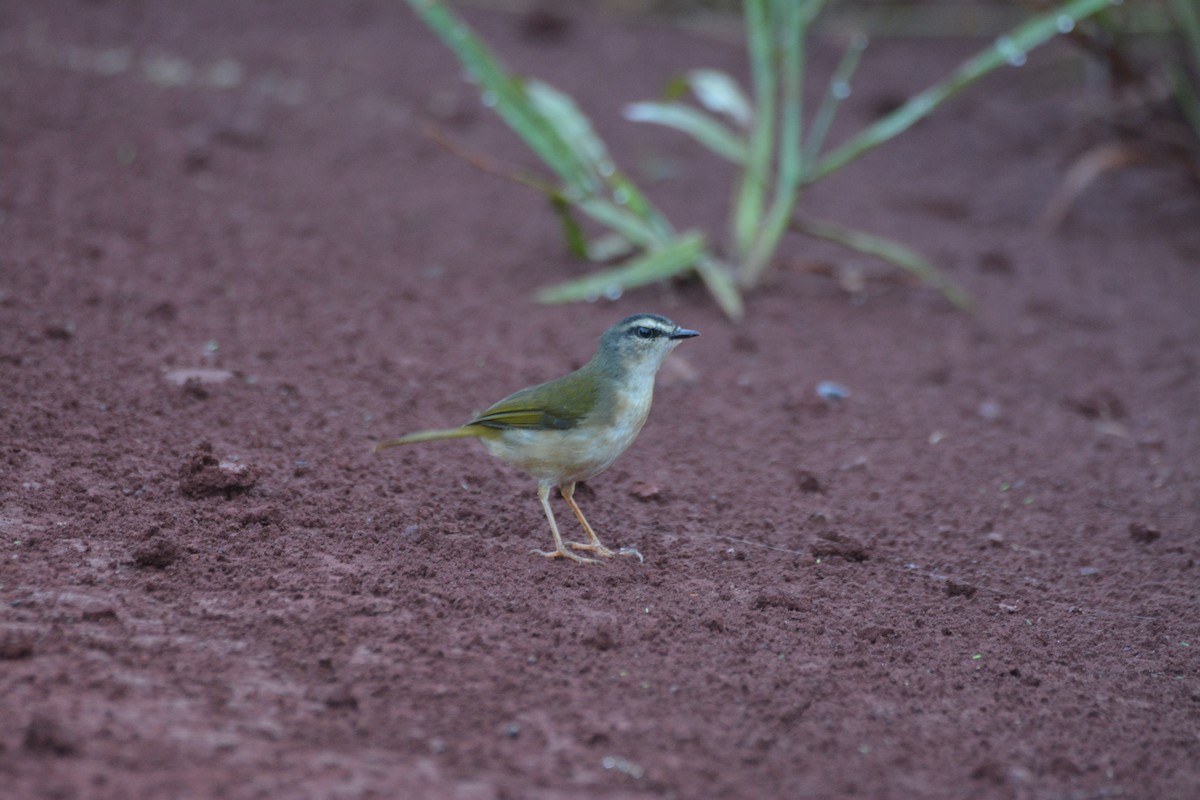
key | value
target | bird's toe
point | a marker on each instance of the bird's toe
(564, 554)
(596, 548)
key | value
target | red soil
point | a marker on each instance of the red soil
(976, 576)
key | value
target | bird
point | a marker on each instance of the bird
(571, 429)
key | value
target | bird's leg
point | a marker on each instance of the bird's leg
(559, 550)
(593, 543)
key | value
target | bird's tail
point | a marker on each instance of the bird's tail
(465, 432)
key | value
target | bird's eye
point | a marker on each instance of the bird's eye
(645, 333)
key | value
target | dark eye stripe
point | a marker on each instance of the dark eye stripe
(644, 332)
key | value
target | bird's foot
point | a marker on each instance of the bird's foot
(564, 554)
(593, 547)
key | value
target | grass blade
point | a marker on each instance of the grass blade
(629, 225)
(504, 92)
(1187, 93)
(572, 233)
(1189, 20)
(558, 132)
(751, 196)
(572, 126)
(609, 247)
(672, 259)
(890, 251)
(700, 126)
(626, 194)
(719, 93)
(1010, 49)
(839, 90)
(787, 22)
(718, 279)
(1187, 96)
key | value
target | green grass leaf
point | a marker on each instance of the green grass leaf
(572, 233)
(705, 129)
(505, 93)
(839, 90)
(718, 279)
(608, 247)
(752, 191)
(1008, 49)
(573, 128)
(891, 251)
(621, 220)
(719, 93)
(669, 260)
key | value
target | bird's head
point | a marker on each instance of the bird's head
(641, 342)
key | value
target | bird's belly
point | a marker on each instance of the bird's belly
(564, 456)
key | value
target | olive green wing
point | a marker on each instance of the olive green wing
(557, 405)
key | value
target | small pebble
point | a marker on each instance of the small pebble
(989, 410)
(832, 392)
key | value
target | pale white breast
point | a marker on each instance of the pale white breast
(584, 451)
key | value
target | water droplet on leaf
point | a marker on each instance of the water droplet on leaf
(1010, 51)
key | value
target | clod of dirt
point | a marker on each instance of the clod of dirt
(265, 516)
(874, 633)
(779, 599)
(1143, 534)
(204, 475)
(158, 553)
(45, 734)
(99, 612)
(1101, 404)
(62, 332)
(807, 481)
(956, 589)
(166, 311)
(15, 644)
(832, 544)
(195, 382)
(602, 639)
(646, 491)
(341, 698)
(990, 772)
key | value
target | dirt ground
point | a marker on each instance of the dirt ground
(231, 261)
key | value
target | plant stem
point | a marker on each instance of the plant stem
(787, 18)
(751, 196)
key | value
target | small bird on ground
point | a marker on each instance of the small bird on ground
(574, 428)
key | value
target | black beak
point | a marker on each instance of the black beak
(683, 333)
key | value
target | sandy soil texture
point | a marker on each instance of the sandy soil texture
(230, 261)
